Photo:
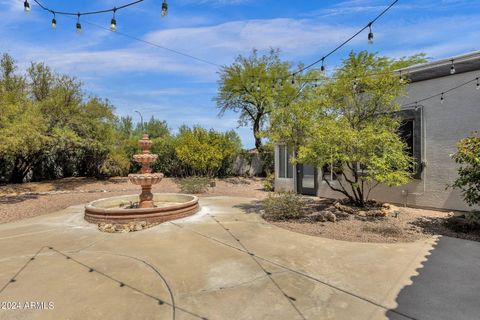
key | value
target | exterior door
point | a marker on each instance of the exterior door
(306, 179)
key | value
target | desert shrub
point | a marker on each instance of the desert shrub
(269, 182)
(194, 184)
(467, 222)
(206, 152)
(116, 164)
(468, 158)
(284, 205)
(385, 230)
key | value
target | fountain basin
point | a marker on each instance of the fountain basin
(168, 206)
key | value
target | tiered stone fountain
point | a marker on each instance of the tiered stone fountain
(145, 178)
(151, 208)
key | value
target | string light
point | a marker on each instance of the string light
(54, 21)
(370, 34)
(452, 68)
(79, 26)
(293, 79)
(113, 22)
(164, 8)
(442, 94)
(322, 68)
(349, 39)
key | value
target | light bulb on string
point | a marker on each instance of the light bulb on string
(164, 8)
(354, 85)
(78, 26)
(452, 68)
(293, 79)
(322, 68)
(478, 83)
(26, 6)
(370, 34)
(113, 22)
(442, 99)
(54, 21)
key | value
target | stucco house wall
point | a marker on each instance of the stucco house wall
(443, 124)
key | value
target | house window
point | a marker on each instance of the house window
(406, 133)
(284, 166)
(410, 131)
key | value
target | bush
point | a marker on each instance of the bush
(269, 183)
(206, 152)
(194, 184)
(467, 222)
(283, 206)
(116, 164)
(468, 158)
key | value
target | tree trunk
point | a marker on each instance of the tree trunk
(256, 134)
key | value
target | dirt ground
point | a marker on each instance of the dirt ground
(411, 224)
(19, 201)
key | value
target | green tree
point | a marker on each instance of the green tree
(203, 152)
(468, 158)
(253, 86)
(349, 123)
(50, 129)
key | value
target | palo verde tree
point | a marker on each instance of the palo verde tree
(253, 86)
(349, 124)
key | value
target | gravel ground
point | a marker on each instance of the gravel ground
(411, 225)
(19, 201)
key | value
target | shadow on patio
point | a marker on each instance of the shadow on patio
(447, 286)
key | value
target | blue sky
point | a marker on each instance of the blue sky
(136, 76)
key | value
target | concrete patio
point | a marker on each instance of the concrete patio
(224, 263)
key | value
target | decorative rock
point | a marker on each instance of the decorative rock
(330, 216)
(362, 213)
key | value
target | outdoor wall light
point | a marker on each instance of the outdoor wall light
(164, 8)
(26, 6)
(370, 34)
